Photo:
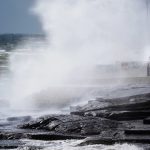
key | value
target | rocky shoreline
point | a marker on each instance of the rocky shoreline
(101, 121)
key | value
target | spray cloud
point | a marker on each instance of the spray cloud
(80, 34)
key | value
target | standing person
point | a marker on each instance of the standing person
(148, 67)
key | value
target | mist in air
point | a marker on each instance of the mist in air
(80, 34)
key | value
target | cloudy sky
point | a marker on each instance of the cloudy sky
(16, 18)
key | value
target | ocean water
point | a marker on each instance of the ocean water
(72, 145)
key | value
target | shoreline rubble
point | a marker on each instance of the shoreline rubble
(101, 121)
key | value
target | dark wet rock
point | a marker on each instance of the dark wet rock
(146, 120)
(124, 108)
(52, 136)
(128, 115)
(111, 120)
(119, 115)
(119, 136)
(39, 123)
(8, 147)
(71, 124)
(117, 103)
(10, 135)
(103, 121)
(137, 131)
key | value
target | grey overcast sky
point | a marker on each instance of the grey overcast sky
(16, 18)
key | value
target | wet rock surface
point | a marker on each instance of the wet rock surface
(72, 124)
(101, 121)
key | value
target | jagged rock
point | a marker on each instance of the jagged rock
(40, 123)
(52, 125)
(119, 115)
(125, 108)
(118, 103)
(128, 115)
(71, 124)
(105, 121)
